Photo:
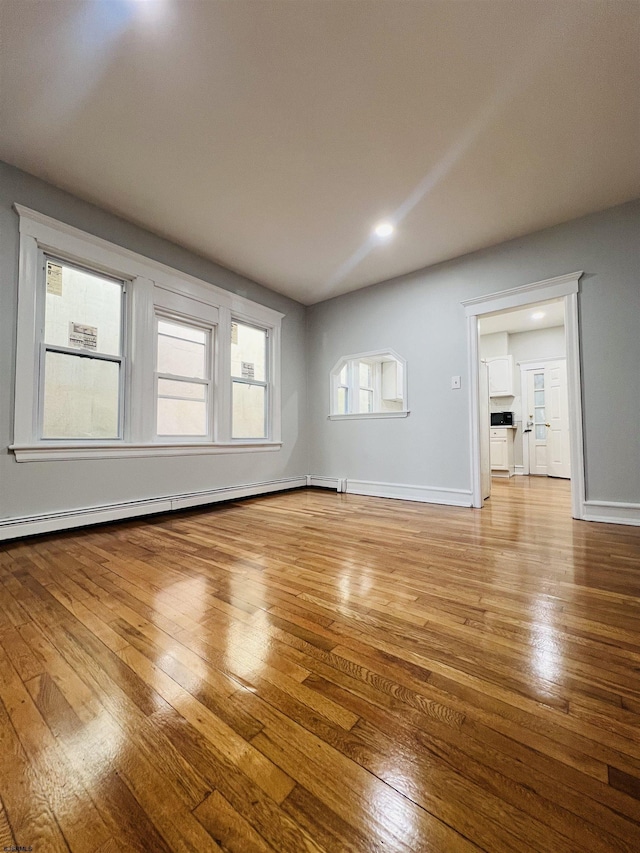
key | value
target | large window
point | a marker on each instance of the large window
(183, 379)
(118, 355)
(370, 384)
(249, 364)
(81, 357)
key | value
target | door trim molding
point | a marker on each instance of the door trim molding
(565, 287)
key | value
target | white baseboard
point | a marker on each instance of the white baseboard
(48, 522)
(12, 528)
(519, 470)
(612, 512)
(335, 483)
(401, 491)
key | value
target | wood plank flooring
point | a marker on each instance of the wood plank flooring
(313, 671)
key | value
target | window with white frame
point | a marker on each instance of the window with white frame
(81, 353)
(183, 379)
(342, 400)
(366, 373)
(249, 385)
(119, 355)
(371, 384)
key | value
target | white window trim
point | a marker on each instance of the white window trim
(266, 384)
(209, 330)
(334, 382)
(122, 359)
(354, 416)
(170, 305)
(153, 284)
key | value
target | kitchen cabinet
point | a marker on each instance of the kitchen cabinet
(501, 451)
(500, 376)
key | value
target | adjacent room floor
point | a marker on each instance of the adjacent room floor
(312, 671)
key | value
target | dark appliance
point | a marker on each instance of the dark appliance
(501, 418)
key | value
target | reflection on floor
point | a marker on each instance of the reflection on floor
(314, 671)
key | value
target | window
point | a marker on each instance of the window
(119, 355)
(81, 358)
(369, 385)
(342, 389)
(183, 379)
(365, 386)
(249, 381)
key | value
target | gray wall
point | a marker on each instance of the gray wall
(421, 317)
(28, 488)
(539, 343)
(494, 345)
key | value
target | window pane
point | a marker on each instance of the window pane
(184, 390)
(182, 417)
(366, 401)
(180, 330)
(342, 401)
(249, 409)
(81, 397)
(539, 415)
(538, 398)
(342, 376)
(181, 356)
(83, 310)
(541, 432)
(538, 380)
(249, 353)
(365, 375)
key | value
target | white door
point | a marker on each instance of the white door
(485, 418)
(548, 420)
(558, 461)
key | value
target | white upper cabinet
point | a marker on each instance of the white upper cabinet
(500, 376)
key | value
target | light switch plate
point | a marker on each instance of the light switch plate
(455, 382)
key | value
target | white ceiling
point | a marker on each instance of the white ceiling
(271, 135)
(522, 319)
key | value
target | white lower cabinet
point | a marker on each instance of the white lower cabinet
(501, 451)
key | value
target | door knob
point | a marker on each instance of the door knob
(547, 425)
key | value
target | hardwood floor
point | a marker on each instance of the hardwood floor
(313, 671)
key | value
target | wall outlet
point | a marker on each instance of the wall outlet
(455, 382)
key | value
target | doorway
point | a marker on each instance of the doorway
(524, 351)
(562, 442)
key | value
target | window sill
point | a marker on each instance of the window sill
(366, 415)
(62, 452)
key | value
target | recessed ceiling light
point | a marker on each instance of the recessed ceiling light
(383, 229)
(537, 315)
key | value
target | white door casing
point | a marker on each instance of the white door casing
(565, 287)
(485, 456)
